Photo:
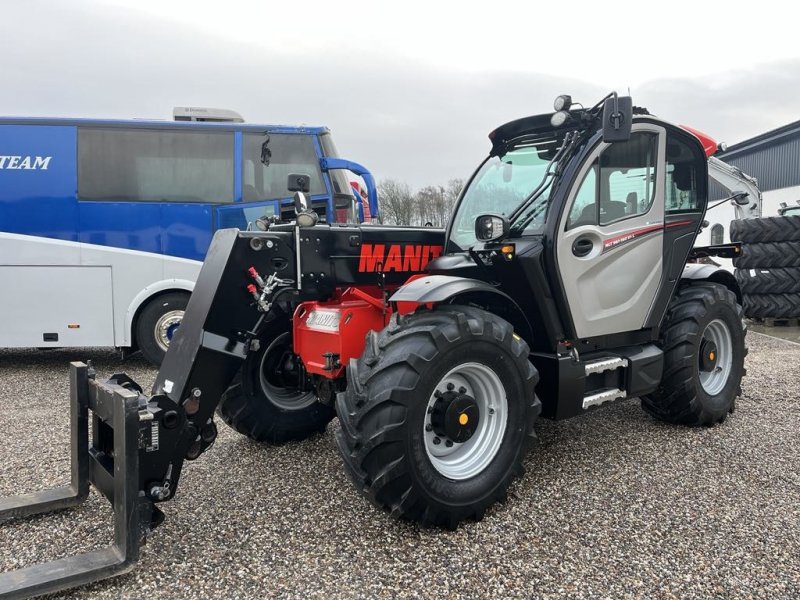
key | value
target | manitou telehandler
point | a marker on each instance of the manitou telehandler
(564, 280)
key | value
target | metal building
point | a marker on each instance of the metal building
(774, 159)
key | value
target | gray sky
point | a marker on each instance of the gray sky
(411, 89)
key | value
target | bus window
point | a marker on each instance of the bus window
(150, 165)
(290, 154)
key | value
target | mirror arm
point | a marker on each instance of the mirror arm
(329, 163)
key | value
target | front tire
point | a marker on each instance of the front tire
(263, 402)
(703, 339)
(455, 374)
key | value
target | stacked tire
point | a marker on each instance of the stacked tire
(768, 270)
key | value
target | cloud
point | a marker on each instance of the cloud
(730, 106)
(408, 120)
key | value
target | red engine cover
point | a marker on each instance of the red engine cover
(328, 334)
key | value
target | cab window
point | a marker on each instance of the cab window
(682, 181)
(619, 185)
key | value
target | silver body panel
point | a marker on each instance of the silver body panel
(612, 289)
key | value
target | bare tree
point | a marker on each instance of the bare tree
(396, 202)
(432, 204)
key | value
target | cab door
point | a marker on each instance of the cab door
(610, 242)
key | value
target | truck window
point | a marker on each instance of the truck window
(151, 165)
(290, 154)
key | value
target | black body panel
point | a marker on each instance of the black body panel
(646, 366)
(340, 255)
(525, 280)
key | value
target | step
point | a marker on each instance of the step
(601, 397)
(606, 364)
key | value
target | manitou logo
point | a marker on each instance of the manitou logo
(28, 163)
(396, 257)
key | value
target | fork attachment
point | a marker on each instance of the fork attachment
(115, 473)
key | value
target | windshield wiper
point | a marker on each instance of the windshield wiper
(266, 153)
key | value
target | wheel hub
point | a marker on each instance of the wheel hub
(708, 355)
(715, 357)
(465, 420)
(166, 326)
(455, 416)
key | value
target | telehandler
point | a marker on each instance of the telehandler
(564, 280)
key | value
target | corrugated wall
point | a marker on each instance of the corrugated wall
(775, 165)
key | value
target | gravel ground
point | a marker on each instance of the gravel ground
(614, 504)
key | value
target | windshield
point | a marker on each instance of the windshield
(502, 184)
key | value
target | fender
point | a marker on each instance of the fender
(713, 273)
(166, 285)
(446, 289)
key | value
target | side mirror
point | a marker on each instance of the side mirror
(491, 227)
(617, 118)
(305, 217)
(298, 182)
(741, 198)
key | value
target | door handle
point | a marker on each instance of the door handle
(582, 246)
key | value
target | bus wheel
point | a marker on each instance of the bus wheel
(157, 324)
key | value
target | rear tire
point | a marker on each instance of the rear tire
(767, 229)
(158, 322)
(768, 281)
(261, 404)
(391, 416)
(703, 340)
(768, 255)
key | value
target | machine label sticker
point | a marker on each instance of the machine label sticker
(323, 320)
(619, 240)
(402, 258)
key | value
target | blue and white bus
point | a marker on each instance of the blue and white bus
(104, 224)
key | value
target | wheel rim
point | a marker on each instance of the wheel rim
(270, 373)
(715, 370)
(166, 326)
(464, 460)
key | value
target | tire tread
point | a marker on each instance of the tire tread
(373, 414)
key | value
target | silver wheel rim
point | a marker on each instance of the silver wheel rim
(714, 381)
(465, 460)
(166, 326)
(284, 398)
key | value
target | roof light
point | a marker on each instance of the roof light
(562, 102)
(559, 118)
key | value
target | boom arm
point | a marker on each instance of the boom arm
(734, 180)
